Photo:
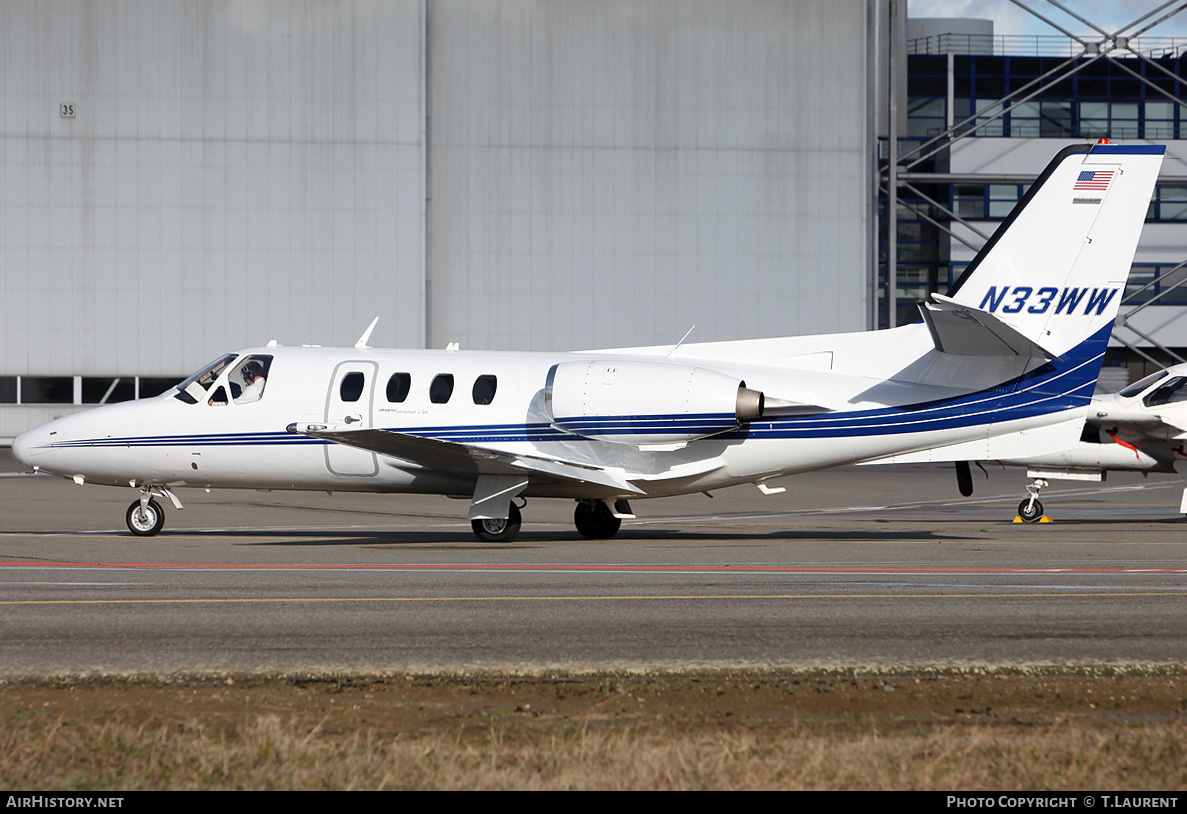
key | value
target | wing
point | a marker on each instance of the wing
(1149, 431)
(467, 459)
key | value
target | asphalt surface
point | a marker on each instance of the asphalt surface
(858, 566)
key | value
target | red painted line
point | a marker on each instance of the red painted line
(799, 569)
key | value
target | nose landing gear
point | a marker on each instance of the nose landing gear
(145, 517)
(1030, 510)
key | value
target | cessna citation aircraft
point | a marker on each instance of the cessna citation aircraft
(1001, 367)
(1141, 429)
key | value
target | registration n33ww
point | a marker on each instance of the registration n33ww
(1002, 367)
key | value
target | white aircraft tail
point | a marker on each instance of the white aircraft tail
(1053, 274)
(1041, 296)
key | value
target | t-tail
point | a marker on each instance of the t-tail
(1026, 326)
(1049, 281)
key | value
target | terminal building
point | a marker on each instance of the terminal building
(985, 113)
(187, 177)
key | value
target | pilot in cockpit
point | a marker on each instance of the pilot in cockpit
(252, 374)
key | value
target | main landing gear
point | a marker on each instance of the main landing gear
(594, 519)
(497, 529)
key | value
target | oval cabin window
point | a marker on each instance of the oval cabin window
(484, 389)
(352, 386)
(441, 388)
(398, 386)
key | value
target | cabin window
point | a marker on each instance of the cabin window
(484, 389)
(218, 398)
(398, 386)
(351, 388)
(441, 388)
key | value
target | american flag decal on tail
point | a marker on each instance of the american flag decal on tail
(1093, 181)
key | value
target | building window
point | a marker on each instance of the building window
(969, 201)
(47, 390)
(149, 386)
(107, 389)
(1170, 203)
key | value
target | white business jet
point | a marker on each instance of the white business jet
(1143, 428)
(1001, 367)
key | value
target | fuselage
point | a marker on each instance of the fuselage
(210, 432)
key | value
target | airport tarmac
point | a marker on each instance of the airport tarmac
(855, 566)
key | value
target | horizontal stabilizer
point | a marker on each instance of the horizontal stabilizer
(467, 459)
(962, 330)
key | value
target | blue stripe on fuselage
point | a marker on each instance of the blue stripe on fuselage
(1056, 386)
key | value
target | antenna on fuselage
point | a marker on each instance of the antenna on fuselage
(362, 343)
(676, 347)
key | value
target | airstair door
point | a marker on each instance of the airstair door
(349, 404)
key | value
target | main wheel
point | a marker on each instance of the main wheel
(145, 522)
(498, 530)
(594, 521)
(1030, 512)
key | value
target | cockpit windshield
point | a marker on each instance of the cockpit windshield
(245, 381)
(1140, 385)
(1173, 392)
(194, 389)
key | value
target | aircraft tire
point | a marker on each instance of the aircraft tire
(148, 523)
(594, 521)
(1030, 512)
(498, 530)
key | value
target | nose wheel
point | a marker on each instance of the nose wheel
(1030, 510)
(145, 518)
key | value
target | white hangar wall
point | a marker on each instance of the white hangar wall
(233, 172)
(508, 174)
(611, 173)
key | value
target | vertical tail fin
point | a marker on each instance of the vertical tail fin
(1053, 274)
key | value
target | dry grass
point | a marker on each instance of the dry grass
(269, 754)
(207, 736)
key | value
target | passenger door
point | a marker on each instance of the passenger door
(349, 404)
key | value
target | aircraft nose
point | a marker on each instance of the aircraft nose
(28, 445)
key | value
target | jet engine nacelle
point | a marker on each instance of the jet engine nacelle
(630, 402)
